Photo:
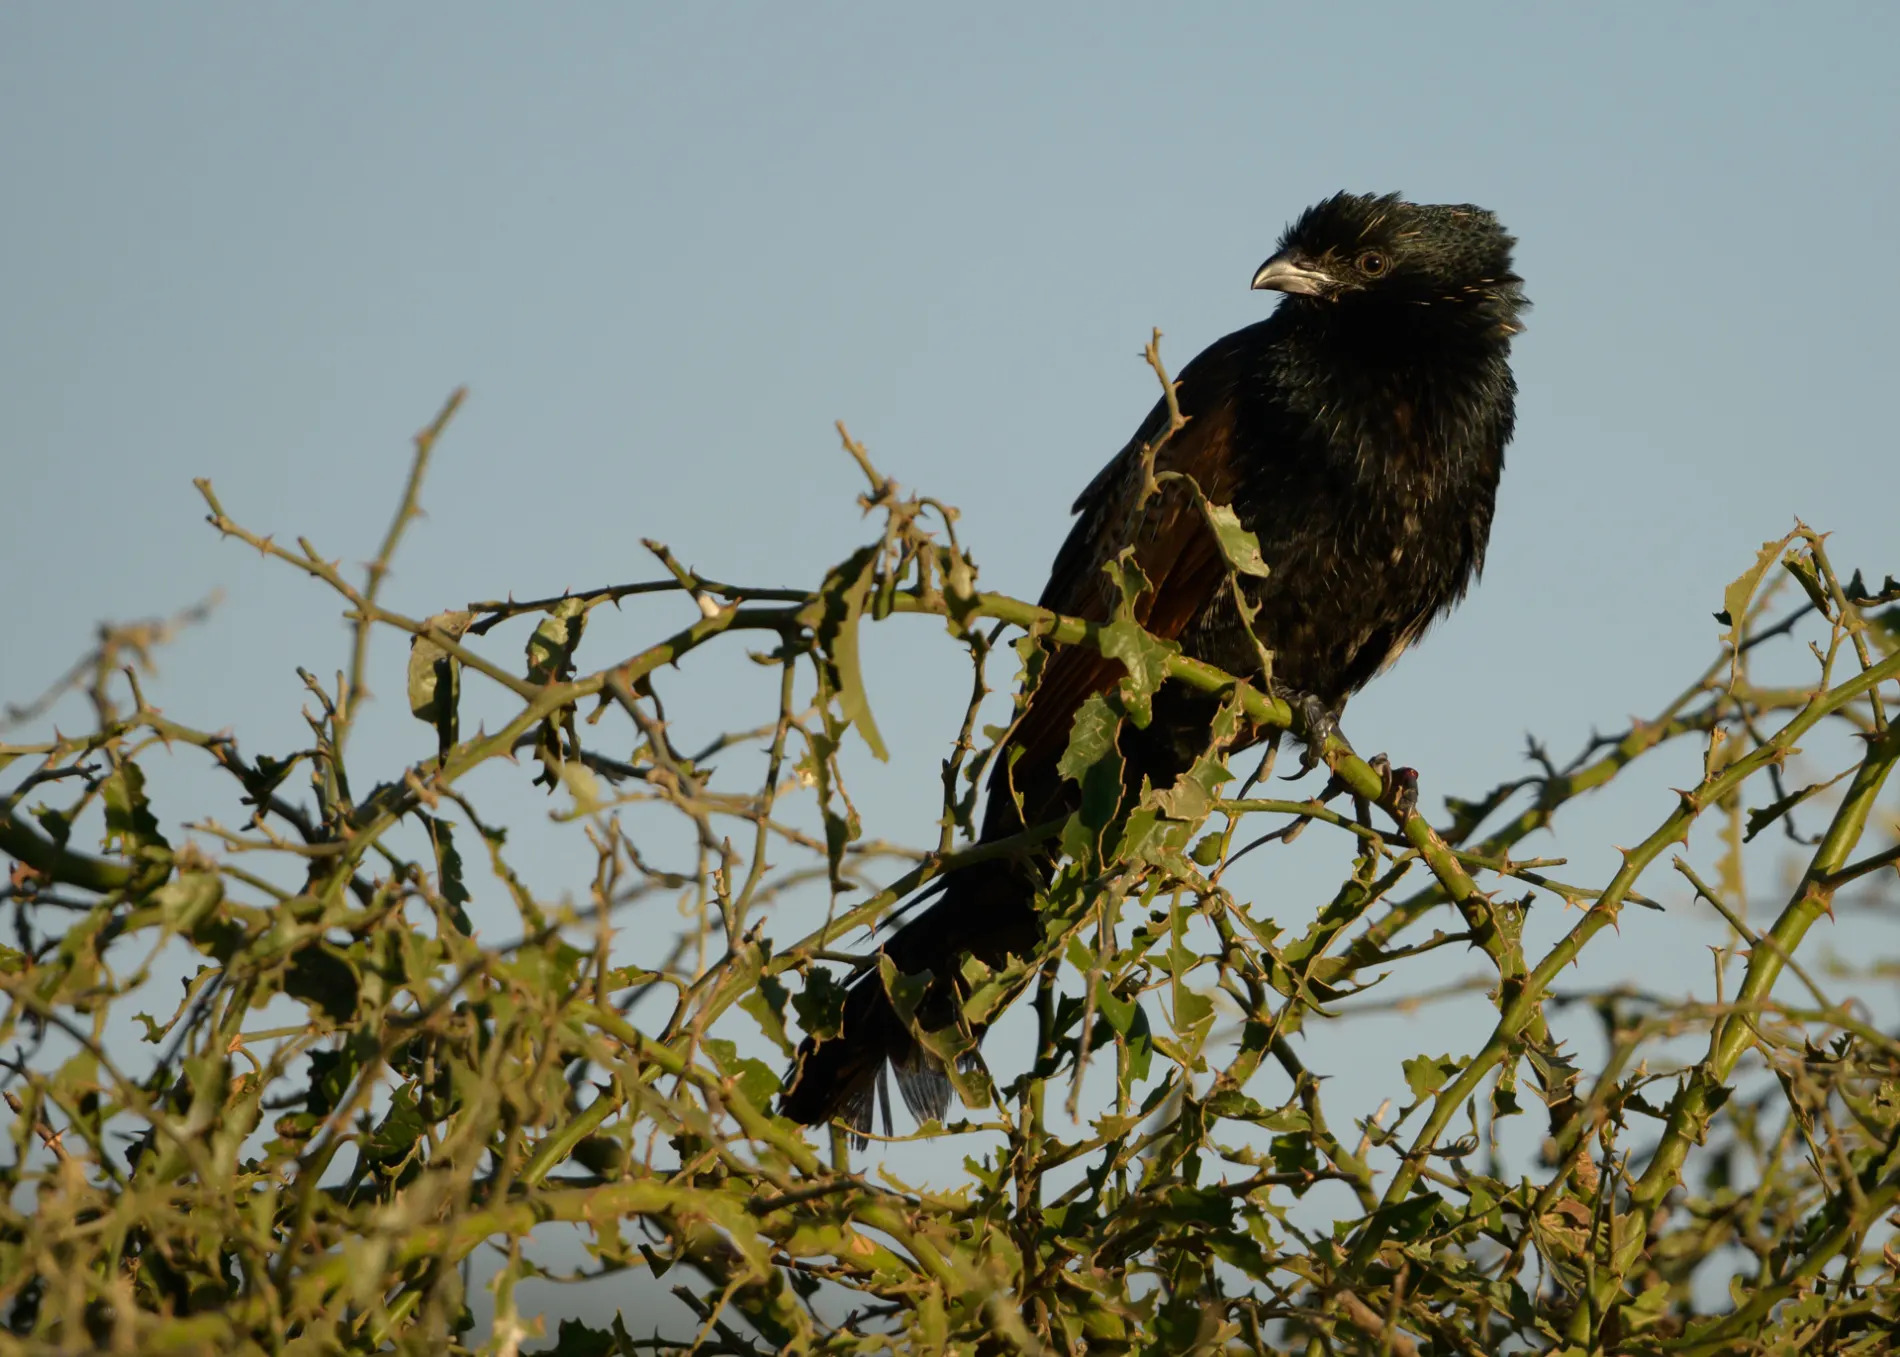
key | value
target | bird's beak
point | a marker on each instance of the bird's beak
(1281, 274)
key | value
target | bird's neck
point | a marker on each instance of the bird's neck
(1432, 390)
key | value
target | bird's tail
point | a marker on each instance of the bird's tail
(986, 910)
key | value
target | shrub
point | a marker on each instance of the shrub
(357, 1094)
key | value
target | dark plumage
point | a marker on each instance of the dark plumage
(1359, 433)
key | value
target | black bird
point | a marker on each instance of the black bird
(1359, 433)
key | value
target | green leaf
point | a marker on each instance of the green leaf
(1408, 1220)
(435, 678)
(396, 1136)
(820, 1005)
(448, 864)
(766, 1004)
(320, 977)
(1091, 736)
(130, 825)
(57, 824)
(1758, 820)
(906, 990)
(1140, 1048)
(186, 902)
(1504, 1101)
(754, 1078)
(1240, 548)
(1801, 565)
(575, 1339)
(551, 648)
(1648, 1307)
(1117, 1012)
(1181, 1204)
(1194, 792)
(1130, 583)
(988, 990)
(1149, 838)
(1264, 930)
(1145, 658)
(1425, 1074)
(1092, 761)
(330, 1076)
(1192, 1010)
(844, 594)
(1294, 1153)
(1742, 588)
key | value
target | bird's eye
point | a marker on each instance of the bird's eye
(1372, 263)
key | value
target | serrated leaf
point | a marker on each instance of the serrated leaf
(1425, 1074)
(844, 594)
(130, 824)
(551, 648)
(1410, 1219)
(1194, 792)
(1801, 565)
(987, 990)
(1131, 582)
(1142, 835)
(1192, 1009)
(766, 1004)
(1742, 588)
(575, 1339)
(448, 863)
(57, 824)
(1759, 820)
(1146, 660)
(396, 1136)
(1091, 736)
(753, 1077)
(1117, 1012)
(1095, 764)
(435, 679)
(820, 1005)
(1264, 930)
(906, 990)
(188, 900)
(1240, 548)
(1294, 1153)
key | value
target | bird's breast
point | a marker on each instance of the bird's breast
(1372, 499)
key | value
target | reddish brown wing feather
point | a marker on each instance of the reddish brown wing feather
(1173, 546)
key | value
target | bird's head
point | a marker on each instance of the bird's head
(1365, 251)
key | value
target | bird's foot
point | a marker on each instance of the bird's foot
(1319, 724)
(1399, 787)
(1398, 790)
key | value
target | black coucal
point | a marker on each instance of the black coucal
(1359, 433)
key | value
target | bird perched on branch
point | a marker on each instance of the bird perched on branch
(1358, 433)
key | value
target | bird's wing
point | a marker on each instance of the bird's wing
(1172, 544)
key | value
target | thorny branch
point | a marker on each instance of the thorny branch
(320, 1180)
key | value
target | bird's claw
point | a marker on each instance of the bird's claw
(1398, 787)
(1321, 724)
